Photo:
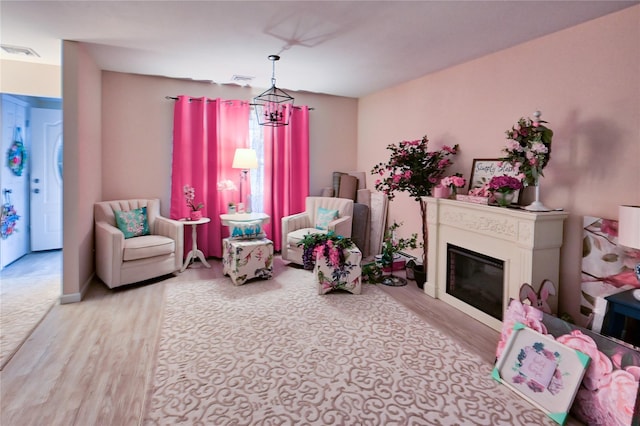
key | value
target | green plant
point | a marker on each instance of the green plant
(371, 273)
(414, 169)
(392, 245)
(329, 245)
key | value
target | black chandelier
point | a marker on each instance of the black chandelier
(273, 106)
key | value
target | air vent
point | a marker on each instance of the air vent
(19, 50)
(242, 79)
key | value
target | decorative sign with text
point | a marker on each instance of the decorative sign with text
(484, 169)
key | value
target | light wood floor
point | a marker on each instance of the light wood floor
(89, 363)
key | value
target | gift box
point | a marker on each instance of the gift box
(398, 264)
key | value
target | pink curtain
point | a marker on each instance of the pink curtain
(206, 133)
(286, 180)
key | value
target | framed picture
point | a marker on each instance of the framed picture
(484, 169)
(541, 370)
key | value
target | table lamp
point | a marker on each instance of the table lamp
(629, 232)
(244, 159)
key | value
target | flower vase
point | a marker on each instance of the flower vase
(196, 215)
(537, 205)
(454, 192)
(441, 192)
(504, 199)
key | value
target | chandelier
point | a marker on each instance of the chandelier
(273, 107)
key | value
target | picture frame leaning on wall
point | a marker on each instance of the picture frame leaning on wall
(484, 169)
(541, 370)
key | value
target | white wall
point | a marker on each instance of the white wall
(32, 79)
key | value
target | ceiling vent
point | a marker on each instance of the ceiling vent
(242, 79)
(19, 50)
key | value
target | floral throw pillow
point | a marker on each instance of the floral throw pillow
(324, 217)
(133, 223)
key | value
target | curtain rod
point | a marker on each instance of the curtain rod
(175, 98)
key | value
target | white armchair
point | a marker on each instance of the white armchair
(295, 227)
(121, 260)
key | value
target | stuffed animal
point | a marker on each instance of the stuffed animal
(538, 300)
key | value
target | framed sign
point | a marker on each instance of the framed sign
(484, 169)
(542, 370)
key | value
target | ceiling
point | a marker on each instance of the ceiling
(344, 48)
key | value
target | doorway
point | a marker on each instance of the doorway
(34, 190)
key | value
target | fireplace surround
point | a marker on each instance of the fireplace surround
(527, 243)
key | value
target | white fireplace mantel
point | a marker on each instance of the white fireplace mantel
(527, 242)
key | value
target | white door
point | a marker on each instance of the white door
(46, 179)
(14, 183)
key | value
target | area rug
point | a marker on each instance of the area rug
(23, 304)
(277, 353)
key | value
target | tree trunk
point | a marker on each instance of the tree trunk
(425, 233)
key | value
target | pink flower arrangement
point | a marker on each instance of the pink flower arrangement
(190, 196)
(504, 184)
(412, 168)
(528, 148)
(481, 191)
(454, 181)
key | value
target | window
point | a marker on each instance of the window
(256, 141)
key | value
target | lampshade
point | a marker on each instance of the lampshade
(245, 158)
(629, 226)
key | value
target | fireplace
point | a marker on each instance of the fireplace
(519, 247)
(476, 279)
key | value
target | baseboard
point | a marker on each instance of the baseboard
(70, 298)
(77, 297)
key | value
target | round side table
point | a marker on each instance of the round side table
(195, 252)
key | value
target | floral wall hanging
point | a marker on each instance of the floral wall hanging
(17, 155)
(8, 220)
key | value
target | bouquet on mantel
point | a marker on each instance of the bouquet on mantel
(453, 182)
(528, 148)
(504, 184)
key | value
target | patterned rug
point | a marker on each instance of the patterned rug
(276, 353)
(23, 304)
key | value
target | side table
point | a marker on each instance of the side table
(195, 252)
(227, 218)
(346, 276)
(622, 306)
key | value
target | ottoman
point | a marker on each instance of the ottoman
(345, 276)
(246, 259)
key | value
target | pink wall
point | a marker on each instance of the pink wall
(586, 82)
(82, 167)
(137, 125)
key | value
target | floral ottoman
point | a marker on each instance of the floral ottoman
(343, 274)
(246, 259)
